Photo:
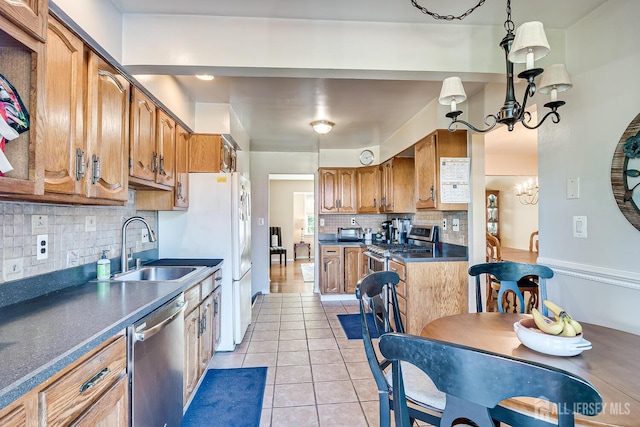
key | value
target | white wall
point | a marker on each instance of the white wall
(597, 278)
(170, 93)
(263, 164)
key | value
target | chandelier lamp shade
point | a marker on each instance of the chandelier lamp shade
(525, 46)
(322, 127)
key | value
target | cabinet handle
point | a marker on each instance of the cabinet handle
(79, 164)
(395, 270)
(95, 175)
(91, 382)
(433, 194)
(154, 162)
(215, 307)
(179, 193)
(218, 279)
(162, 172)
(375, 203)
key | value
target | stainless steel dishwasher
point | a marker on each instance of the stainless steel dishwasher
(156, 364)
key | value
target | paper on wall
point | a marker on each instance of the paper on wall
(454, 180)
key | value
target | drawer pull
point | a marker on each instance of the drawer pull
(94, 380)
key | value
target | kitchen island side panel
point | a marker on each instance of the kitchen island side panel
(434, 290)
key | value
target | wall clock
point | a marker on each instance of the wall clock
(625, 173)
(366, 157)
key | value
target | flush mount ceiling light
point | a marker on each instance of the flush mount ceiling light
(322, 127)
(528, 44)
(205, 77)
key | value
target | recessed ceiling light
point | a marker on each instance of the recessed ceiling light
(205, 77)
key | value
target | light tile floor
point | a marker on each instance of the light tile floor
(316, 376)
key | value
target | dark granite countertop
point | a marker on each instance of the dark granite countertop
(41, 336)
(444, 252)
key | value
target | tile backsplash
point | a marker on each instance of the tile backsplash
(332, 222)
(77, 235)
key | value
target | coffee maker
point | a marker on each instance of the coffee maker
(401, 228)
(387, 226)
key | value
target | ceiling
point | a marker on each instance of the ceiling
(276, 111)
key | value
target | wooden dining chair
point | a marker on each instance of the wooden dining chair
(534, 242)
(377, 296)
(515, 278)
(476, 381)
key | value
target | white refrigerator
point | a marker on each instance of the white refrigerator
(216, 225)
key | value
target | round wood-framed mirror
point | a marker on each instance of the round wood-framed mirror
(625, 173)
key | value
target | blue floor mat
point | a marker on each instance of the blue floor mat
(353, 329)
(228, 398)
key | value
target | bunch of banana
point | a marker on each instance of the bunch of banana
(564, 325)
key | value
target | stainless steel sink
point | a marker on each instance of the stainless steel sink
(155, 274)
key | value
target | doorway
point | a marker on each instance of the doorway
(292, 208)
(511, 158)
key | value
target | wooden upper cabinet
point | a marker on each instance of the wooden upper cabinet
(30, 15)
(347, 190)
(428, 151)
(397, 185)
(182, 168)
(166, 146)
(64, 150)
(107, 121)
(211, 153)
(144, 160)
(337, 190)
(426, 173)
(22, 60)
(367, 193)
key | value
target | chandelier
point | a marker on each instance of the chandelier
(529, 43)
(527, 191)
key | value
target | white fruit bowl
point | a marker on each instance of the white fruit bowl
(535, 339)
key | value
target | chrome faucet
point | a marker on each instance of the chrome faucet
(124, 264)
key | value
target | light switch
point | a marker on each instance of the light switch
(580, 226)
(455, 224)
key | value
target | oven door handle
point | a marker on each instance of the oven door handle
(374, 256)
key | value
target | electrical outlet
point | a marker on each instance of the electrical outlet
(353, 221)
(145, 236)
(42, 247)
(444, 223)
(455, 224)
(321, 222)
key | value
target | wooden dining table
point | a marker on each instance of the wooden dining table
(612, 365)
(518, 255)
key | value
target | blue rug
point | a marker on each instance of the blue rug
(353, 329)
(228, 398)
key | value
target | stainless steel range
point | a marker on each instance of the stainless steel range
(420, 239)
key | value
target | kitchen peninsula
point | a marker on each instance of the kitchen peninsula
(432, 283)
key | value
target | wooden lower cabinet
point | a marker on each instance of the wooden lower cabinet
(200, 325)
(430, 290)
(332, 273)
(110, 410)
(353, 268)
(92, 391)
(21, 413)
(342, 267)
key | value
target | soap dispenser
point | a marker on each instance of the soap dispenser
(104, 266)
